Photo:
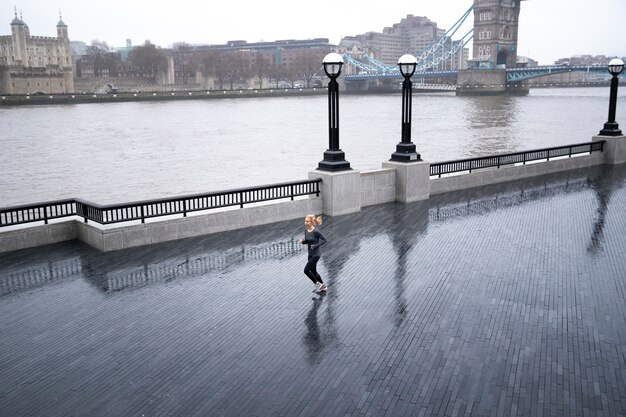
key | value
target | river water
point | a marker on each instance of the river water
(121, 152)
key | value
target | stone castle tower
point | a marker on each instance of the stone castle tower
(495, 33)
(35, 64)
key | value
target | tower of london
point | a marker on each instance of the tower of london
(35, 64)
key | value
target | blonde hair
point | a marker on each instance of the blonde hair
(314, 220)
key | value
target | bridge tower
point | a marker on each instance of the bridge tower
(495, 33)
(495, 49)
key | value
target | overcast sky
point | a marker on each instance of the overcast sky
(549, 29)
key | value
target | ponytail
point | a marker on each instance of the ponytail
(314, 220)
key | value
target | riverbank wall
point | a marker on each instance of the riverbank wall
(341, 193)
(133, 96)
(142, 95)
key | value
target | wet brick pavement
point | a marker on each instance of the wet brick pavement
(500, 301)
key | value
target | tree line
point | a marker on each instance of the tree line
(227, 68)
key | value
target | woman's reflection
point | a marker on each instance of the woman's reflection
(318, 337)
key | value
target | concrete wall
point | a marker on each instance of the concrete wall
(98, 84)
(510, 173)
(109, 238)
(34, 236)
(471, 82)
(341, 191)
(614, 149)
(349, 190)
(45, 83)
(378, 186)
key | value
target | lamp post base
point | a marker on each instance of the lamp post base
(611, 129)
(405, 152)
(334, 161)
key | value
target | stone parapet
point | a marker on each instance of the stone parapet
(378, 186)
(341, 191)
(28, 237)
(110, 238)
(123, 237)
(614, 149)
(511, 173)
(412, 180)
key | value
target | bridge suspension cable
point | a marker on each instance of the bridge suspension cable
(430, 57)
(443, 39)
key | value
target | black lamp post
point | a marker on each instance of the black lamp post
(611, 128)
(334, 157)
(405, 150)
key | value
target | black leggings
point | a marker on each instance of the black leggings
(311, 270)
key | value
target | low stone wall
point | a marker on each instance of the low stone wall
(378, 186)
(342, 192)
(98, 84)
(162, 231)
(511, 173)
(34, 236)
(110, 238)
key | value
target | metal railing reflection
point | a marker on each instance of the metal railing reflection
(147, 274)
(484, 205)
(38, 275)
(139, 273)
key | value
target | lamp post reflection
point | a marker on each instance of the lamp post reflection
(404, 239)
(603, 184)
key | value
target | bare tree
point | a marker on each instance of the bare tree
(221, 69)
(98, 57)
(310, 64)
(236, 66)
(4, 78)
(148, 59)
(261, 67)
(292, 74)
(278, 72)
(183, 62)
(207, 63)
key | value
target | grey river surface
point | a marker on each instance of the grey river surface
(120, 152)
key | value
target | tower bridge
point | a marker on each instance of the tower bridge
(491, 70)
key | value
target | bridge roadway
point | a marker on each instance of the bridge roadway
(506, 300)
(512, 74)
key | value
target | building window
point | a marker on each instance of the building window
(484, 35)
(484, 52)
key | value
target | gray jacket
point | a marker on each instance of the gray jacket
(314, 239)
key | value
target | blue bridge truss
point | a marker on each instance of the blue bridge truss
(431, 60)
(428, 61)
(512, 74)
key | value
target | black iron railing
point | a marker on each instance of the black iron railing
(496, 161)
(142, 210)
(37, 212)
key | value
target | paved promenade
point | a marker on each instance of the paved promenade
(501, 301)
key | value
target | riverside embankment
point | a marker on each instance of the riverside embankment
(135, 96)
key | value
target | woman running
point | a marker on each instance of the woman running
(314, 238)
